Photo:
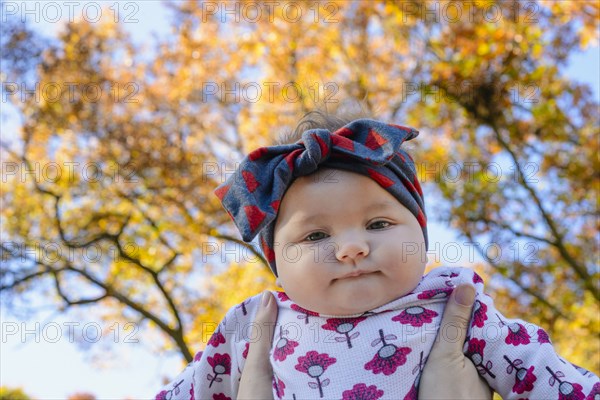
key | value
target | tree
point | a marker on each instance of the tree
(7, 393)
(128, 204)
(487, 90)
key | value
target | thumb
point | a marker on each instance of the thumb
(257, 375)
(266, 317)
(455, 322)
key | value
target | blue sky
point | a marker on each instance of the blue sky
(128, 370)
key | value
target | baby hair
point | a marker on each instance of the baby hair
(321, 118)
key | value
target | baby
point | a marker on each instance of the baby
(341, 221)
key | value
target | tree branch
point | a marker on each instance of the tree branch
(559, 243)
(505, 272)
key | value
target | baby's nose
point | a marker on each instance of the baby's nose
(351, 249)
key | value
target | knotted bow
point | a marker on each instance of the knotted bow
(252, 194)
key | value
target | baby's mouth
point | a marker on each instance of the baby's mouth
(355, 274)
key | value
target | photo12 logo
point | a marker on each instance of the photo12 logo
(80, 332)
(469, 11)
(67, 171)
(268, 11)
(253, 92)
(70, 92)
(68, 11)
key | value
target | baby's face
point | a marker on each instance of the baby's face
(344, 245)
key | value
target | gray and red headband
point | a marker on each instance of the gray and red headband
(252, 194)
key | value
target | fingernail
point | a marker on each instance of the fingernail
(265, 299)
(465, 295)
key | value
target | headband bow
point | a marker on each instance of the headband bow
(252, 194)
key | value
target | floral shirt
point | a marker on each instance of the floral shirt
(380, 354)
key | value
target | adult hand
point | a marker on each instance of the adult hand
(257, 376)
(448, 373)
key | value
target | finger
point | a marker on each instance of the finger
(257, 366)
(258, 353)
(264, 322)
(453, 329)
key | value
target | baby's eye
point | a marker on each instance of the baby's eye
(315, 236)
(380, 224)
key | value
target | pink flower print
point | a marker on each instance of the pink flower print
(192, 395)
(476, 278)
(305, 313)
(570, 391)
(524, 377)
(389, 357)
(161, 396)
(566, 390)
(413, 393)
(360, 391)
(517, 334)
(284, 347)
(221, 365)
(315, 364)
(198, 356)
(216, 339)
(435, 294)
(524, 380)
(167, 394)
(542, 336)
(475, 353)
(449, 280)
(279, 387)
(451, 275)
(220, 396)
(479, 314)
(246, 348)
(283, 296)
(415, 316)
(343, 326)
(595, 393)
